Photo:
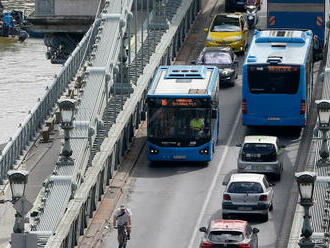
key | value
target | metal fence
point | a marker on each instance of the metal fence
(36, 117)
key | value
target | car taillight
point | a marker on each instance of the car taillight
(303, 107)
(226, 197)
(244, 106)
(263, 198)
(205, 244)
(244, 245)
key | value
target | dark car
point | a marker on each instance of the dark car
(225, 59)
(229, 234)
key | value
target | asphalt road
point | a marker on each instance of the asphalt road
(171, 201)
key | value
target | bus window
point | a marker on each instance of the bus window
(273, 79)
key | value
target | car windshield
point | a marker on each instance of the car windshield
(257, 152)
(226, 236)
(225, 24)
(216, 58)
(245, 187)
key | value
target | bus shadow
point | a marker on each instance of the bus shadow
(287, 132)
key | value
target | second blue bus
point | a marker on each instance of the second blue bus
(183, 113)
(278, 78)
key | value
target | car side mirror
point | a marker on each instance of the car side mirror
(193, 62)
(206, 30)
(238, 145)
(202, 229)
(245, 29)
(282, 146)
(271, 184)
(255, 230)
(214, 113)
(235, 61)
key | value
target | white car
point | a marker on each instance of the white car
(261, 154)
(248, 193)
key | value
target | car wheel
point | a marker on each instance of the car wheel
(271, 207)
(278, 176)
(265, 217)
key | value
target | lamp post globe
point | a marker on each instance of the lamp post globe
(323, 112)
(18, 180)
(67, 108)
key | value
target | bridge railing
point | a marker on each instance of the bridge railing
(30, 127)
(80, 209)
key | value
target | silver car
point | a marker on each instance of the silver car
(261, 154)
(248, 193)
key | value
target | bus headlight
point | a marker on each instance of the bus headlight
(204, 151)
(153, 150)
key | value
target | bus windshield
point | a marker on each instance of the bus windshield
(176, 123)
(274, 79)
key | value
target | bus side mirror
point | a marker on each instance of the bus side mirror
(214, 113)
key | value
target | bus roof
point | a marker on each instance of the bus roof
(184, 80)
(279, 46)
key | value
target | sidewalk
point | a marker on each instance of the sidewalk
(40, 162)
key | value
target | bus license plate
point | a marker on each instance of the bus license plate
(179, 157)
(273, 118)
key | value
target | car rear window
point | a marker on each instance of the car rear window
(216, 58)
(257, 152)
(226, 236)
(245, 187)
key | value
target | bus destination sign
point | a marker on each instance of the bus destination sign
(184, 102)
(179, 102)
(282, 68)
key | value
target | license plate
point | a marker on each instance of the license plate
(259, 167)
(179, 157)
(245, 208)
(273, 118)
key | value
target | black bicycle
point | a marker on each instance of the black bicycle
(122, 234)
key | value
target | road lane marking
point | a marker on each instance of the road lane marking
(214, 181)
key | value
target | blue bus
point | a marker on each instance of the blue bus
(298, 14)
(277, 78)
(183, 113)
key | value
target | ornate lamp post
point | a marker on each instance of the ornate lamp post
(306, 182)
(67, 108)
(323, 113)
(18, 180)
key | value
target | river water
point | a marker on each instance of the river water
(24, 74)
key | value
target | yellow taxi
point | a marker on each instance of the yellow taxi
(228, 30)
